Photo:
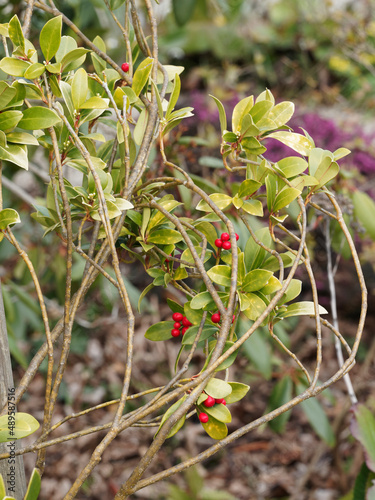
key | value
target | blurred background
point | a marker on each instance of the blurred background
(320, 54)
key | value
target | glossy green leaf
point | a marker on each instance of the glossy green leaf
(281, 113)
(141, 75)
(38, 117)
(217, 388)
(272, 263)
(15, 34)
(281, 394)
(205, 301)
(222, 114)
(255, 280)
(54, 68)
(248, 128)
(183, 11)
(72, 56)
(79, 88)
(222, 201)
(239, 391)
(256, 307)
(33, 488)
(285, 197)
(8, 216)
(317, 418)
(95, 102)
(272, 286)
(293, 290)
(360, 485)
(362, 427)
(50, 37)
(174, 96)
(164, 237)
(220, 274)
(227, 362)
(248, 187)
(24, 425)
(34, 71)
(253, 207)
(15, 154)
(364, 209)
(160, 331)
(260, 109)
(7, 93)
(177, 426)
(158, 217)
(13, 67)
(219, 412)
(191, 333)
(266, 95)
(215, 429)
(292, 166)
(9, 119)
(241, 109)
(302, 309)
(255, 254)
(174, 306)
(297, 142)
(326, 171)
(252, 146)
(257, 350)
(140, 128)
(188, 257)
(341, 153)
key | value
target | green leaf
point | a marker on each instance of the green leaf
(217, 388)
(222, 201)
(281, 394)
(272, 286)
(174, 96)
(191, 333)
(362, 427)
(284, 198)
(38, 117)
(95, 102)
(257, 350)
(219, 412)
(8, 216)
(50, 37)
(255, 254)
(175, 307)
(227, 362)
(305, 308)
(13, 67)
(54, 68)
(177, 426)
(34, 486)
(215, 429)
(205, 301)
(256, 307)
(326, 171)
(222, 115)
(241, 109)
(24, 425)
(79, 88)
(160, 331)
(9, 119)
(297, 142)
(164, 237)
(341, 153)
(360, 486)
(183, 11)
(34, 71)
(220, 274)
(281, 113)
(293, 290)
(2, 487)
(252, 146)
(317, 418)
(239, 391)
(72, 56)
(253, 207)
(15, 154)
(364, 210)
(142, 74)
(15, 34)
(139, 129)
(7, 93)
(248, 187)
(292, 166)
(255, 280)
(260, 109)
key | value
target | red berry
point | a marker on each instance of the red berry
(220, 401)
(215, 318)
(234, 316)
(237, 237)
(227, 245)
(177, 325)
(183, 331)
(203, 417)
(125, 67)
(175, 332)
(186, 322)
(225, 237)
(218, 243)
(210, 401)
(177, 316)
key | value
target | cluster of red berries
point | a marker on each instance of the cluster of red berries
(216, 318)
(181, 324)
(223, 242)
(208, 403)
(125, 67)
